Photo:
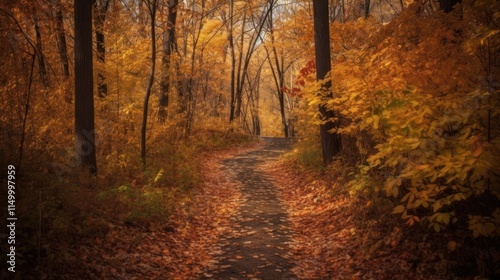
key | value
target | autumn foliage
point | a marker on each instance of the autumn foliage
(419, 111)
(415, 91)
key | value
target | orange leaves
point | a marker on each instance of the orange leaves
(392, 186)
(338, 237)
(410, 88)
(179, 249)
(398, 209)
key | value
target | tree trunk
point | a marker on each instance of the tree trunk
(343, 11)
(152, 12)
(61, 40)
(330, 142)
(366, 10)
(233, 62)
(253, 99)
(281, 96)
(239, 77)
(279, 82)
(100, 10)
(169, 46)
(84, 88)
(39, 51)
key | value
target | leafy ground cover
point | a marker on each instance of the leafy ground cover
(334, 234)
(337, 236)
(176, 249)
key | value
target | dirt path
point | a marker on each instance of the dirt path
(257, 246)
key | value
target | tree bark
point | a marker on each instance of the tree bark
(61, 40)
(233, 61)
(239, 77)
(366, 7)
(100, 10)
(330, 142)
(279, 82)
(152, 5)
(169, 46)
(85, 149)
(41, 58)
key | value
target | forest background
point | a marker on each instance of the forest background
(415, 99)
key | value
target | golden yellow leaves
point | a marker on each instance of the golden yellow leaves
(418, 101)
(372, 120)
(392, 186)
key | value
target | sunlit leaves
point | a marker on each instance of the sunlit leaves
(420, 89)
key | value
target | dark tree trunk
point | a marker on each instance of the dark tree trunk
(39, 51)
(61, 40)
(169, 46)
(281, 96)
(291, 128)
(330, 142)
(152, 5)
(239, 77)
(256, 125)
(447, 5)
(366, 10)
(84, 88)
(233, 63)
(100, 10)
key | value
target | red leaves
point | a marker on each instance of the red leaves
(310, 68)
(306, 75)
(292, 92)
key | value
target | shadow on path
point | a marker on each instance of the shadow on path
(257, 248)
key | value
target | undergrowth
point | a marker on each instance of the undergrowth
(417, 144)
(306, 154)
(61, 211)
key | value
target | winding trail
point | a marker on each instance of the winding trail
(257, 247)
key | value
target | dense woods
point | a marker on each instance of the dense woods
(108, 106)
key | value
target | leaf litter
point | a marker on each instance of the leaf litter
(327, 239)
(335, 238)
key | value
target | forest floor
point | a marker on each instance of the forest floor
(255, 217)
